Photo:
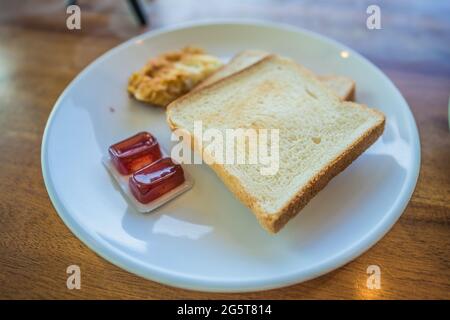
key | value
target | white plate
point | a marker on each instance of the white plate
(206, 239)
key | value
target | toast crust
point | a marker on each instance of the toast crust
(273, 222)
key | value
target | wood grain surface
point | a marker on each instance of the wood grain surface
(39, 56)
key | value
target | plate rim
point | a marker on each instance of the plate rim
(203, 284)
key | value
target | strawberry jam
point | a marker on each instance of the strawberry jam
(156, 179)
(135, 153)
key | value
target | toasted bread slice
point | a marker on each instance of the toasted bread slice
(319, 135)
(344, 87)
(240, 61)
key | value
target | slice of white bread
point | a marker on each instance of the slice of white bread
(240, 61)
(319, 135)
(344, 87)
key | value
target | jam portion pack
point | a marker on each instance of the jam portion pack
(134, 153)
(144, 172)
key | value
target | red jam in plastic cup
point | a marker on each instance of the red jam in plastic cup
(135, 153)
(155, 180)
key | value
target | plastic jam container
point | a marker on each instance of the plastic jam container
(144, 172)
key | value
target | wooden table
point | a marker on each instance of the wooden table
(39, 57)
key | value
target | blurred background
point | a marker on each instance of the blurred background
(412, 30)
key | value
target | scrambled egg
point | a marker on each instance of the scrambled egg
(171, 75)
